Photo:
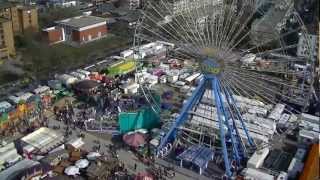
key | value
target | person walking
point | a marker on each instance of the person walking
(135, 166)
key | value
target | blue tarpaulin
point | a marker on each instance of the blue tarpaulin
(198, 155)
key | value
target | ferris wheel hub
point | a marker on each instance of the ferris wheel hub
(211, 67)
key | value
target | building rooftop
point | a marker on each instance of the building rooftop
(14, 170)
(81, 21)
(43, 139)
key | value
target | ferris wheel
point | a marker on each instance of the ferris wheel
(246, 51)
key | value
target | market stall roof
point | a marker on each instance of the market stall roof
(72, 170)
(82, 163)
(198, 155)
(43, 139)
(144, 176)
(93, 155)
(134, 140)
(13, 171)
(76, 143)
(85, 85)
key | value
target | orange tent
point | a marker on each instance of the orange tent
(311, 166)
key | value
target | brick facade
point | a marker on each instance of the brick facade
(89, 34)
(53, 36)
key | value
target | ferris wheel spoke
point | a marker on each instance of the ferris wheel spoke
(282, 48)
(184, 55)
(270, 40)
(162, 37)
(276, 37)
(246, 110)
(222, 30)
(236, 17)
(194, 15)
(174, 30)
(174, 38)
(210, 22)
(190, 26)
(294, 90)
(240, 30)
(253, 88)
(275, 68)
(176, 22)
(264, 76)
(243, 91)
(269, 81)
(266, 88)
(209, 26)
(237, 25)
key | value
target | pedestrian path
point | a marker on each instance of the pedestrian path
(127, 157)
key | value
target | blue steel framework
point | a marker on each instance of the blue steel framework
(227, 113)
(209, 28)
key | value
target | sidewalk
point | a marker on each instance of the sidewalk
(127, 157)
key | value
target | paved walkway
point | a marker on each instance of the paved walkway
(127, 157)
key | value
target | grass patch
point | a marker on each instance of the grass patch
(122, 68)
(43, 60)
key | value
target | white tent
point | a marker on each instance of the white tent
(142, 131)
(72, 171)
(82, 163)
(93, 155)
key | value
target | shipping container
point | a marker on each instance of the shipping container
(255, 174)
(257, 159)
(55, 84)
(310, 118)
(277, 111)
(300, 154)
(67, 80)
(41, 90)
(126, 53)
(5, 107)
(295, 167)
(191, 79)
(78, 75)
(86, 73)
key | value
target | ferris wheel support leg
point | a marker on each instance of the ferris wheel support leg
(232, 101)
(221, 128)
(231, 106)
(195, 97)
(231, 129)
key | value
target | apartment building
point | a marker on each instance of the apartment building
(10, 12)
(28, 18)
(7, 48)
(22, 17)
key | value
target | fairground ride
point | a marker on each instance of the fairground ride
(245, 49)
